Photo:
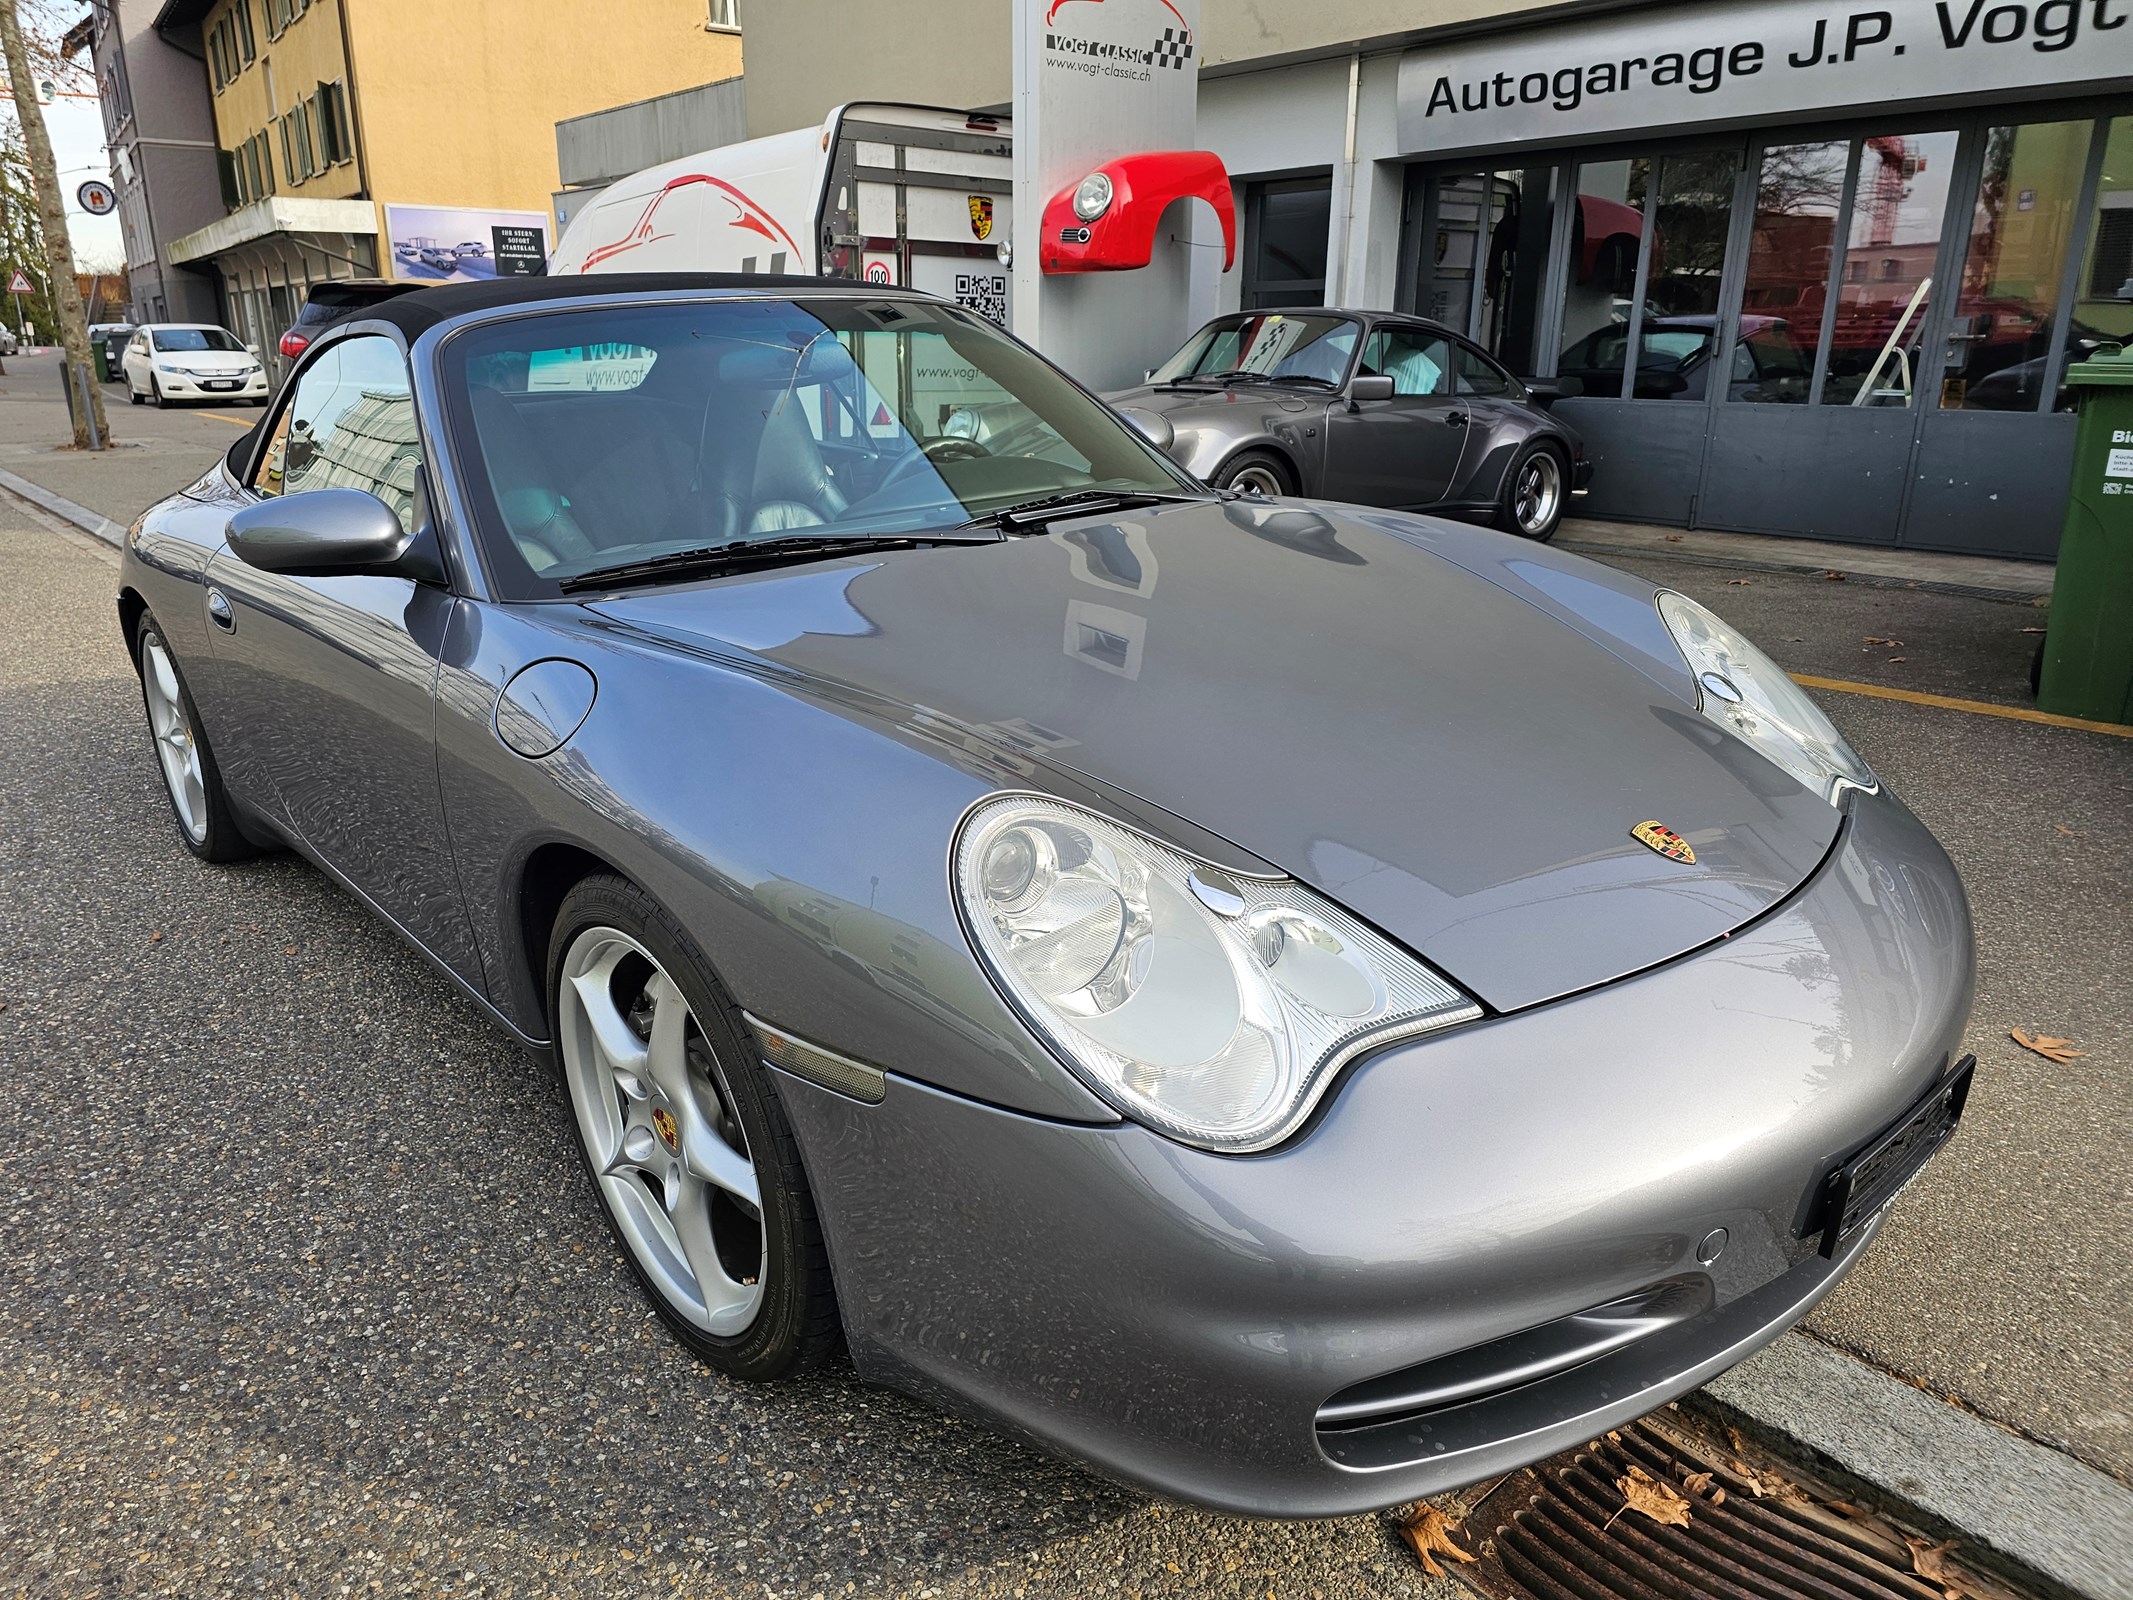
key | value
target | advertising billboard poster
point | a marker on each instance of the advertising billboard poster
(460, 244)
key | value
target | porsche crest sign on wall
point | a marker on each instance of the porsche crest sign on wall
(981, 215)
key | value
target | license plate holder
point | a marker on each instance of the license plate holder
(1862, 1188)
(219, 383)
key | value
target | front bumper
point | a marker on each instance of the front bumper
(175, 387)
(1176, 1318)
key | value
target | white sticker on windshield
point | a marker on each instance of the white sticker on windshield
(582, 369)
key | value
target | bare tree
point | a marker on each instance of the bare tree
(51, 208)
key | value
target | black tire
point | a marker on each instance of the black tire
(221, 838)
(1255, 471)
(1534, 511)
(796, 1326)
(155, 394)
(135, 395)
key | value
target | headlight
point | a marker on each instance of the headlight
(174, 371)
(1215, 1008)
(1753, 698)
(1092, 196)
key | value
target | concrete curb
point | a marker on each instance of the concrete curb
(1975, 591)
(90, 522)
(2031, 1505)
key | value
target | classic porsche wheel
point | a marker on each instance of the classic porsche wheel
(190, 779)
(1255, 472)
(1533, 495)
(684, 1138)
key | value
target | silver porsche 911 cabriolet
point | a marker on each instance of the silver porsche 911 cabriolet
(1295, 1006)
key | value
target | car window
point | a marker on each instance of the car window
(1672, 347)
(612, 435)
(1479, 375)
(1271, 344)
(1418, 363)
(196, 339)
(349, 425)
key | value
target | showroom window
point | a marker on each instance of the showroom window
(2103, 292)
(1900, 186)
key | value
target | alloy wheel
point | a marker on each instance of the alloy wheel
(177, 746)
(1257, 480)
(657, 1118)
(1538, 492)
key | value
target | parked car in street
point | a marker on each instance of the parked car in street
(1299, 1007)
(170, 361)
(332, 300)
(1362, 406)
(10, 341)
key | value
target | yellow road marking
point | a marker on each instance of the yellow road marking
(1982, 708)
(242, 422)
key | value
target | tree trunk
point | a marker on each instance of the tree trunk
(51, 207)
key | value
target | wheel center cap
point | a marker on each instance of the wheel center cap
(663, 1125)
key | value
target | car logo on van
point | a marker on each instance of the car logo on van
(1658, 836)
(981, 215)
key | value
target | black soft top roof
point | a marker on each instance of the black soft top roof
(417, 312)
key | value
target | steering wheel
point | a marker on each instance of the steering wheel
(929, 453)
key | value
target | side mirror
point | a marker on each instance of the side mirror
(1371, 386)
(253, 348)
(1542, 390)
(324, 533)
(1150, 425)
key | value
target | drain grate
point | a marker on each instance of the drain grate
(1561, 1531)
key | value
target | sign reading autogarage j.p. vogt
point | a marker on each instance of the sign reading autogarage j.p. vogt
(1710, 63)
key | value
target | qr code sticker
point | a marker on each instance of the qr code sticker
(983, 292)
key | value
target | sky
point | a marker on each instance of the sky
(77, 130)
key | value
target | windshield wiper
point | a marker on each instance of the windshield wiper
(711, 561)
(1234, 375)
(1072, 503)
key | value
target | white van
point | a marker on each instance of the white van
(888, 194)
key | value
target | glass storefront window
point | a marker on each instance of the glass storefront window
(1510, 250)
(1999, 342)
(1286, 228)
(1899, 207)
(1451, 237)
(1798, 192)
(2103, 294)
(1606, 233)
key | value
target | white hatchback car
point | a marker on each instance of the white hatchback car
(168, 361)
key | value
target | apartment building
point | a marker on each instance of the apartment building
(159, 127)
(359, 138)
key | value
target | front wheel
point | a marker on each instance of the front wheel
(1534, 494)
(684, 1138)
(134, 395)
(191, 781)
(155, 394)
(1259, 472)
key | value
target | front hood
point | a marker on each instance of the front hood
(1447, 730)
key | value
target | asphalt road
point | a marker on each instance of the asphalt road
(307, 1294)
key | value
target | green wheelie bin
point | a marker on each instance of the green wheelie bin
(2088, 644)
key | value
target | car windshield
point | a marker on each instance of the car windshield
(195, 339)
(1266, 344)
(621, 434)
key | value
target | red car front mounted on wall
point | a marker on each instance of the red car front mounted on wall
(1107, 221)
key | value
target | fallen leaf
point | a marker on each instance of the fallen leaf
(1673, 538)
(1654, 1500)
(1740, 1470)
(155, 935)
(1697, 1482)
(1930, 1562)
(1429, 1535)
(1870, 639)
(1834, 577)
(1899, 658)
(2058, 1051)
(2062, 827)
(1739, 583)
(1718, 1497)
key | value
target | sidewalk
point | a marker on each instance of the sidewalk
(156, 451)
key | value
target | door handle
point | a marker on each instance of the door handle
(1455, 419)
(220, 612)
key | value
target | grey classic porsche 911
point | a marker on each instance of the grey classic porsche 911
(1294, 1006)
(1365, 406)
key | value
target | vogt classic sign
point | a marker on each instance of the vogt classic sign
(1725, 62)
